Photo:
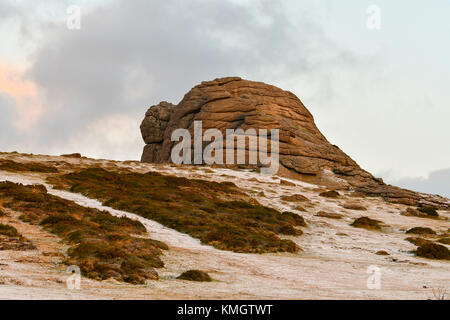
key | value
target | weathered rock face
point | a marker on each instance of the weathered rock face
(233, 103)
(153, 128)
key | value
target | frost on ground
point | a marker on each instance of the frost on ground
(333, 263)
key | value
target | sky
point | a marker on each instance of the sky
(378, 91)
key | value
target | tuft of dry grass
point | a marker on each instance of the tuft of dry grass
(444, 241)
(354, 206)
(417, 241)
(430, 211)
(330, 215)
(330, 194)
(366, 223)
(421, 230)
(287, 183)
(433, 251)
(8, 231)
(195, 275)
(11, 239)
(295, 198)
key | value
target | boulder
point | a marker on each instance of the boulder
(304, 152)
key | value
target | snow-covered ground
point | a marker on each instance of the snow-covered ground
(333, 264)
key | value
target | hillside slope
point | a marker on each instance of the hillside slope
(333, 262)
(304, 152)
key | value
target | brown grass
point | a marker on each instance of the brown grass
(430, 211)
(433, 251)
(101, 245)
(9, 165)
(329, 194)
(354, 206)
(195, 275)
(366, 223)
(11, 239)
(444, 241)
(294, 198)
(330, 215)
(218, 214)
(421, 230)
(9, 231)
(417, 241)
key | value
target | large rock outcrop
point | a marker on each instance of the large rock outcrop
(304, 153)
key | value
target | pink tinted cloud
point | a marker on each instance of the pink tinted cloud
(25, 94)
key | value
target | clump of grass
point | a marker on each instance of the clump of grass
(330, 215)
(354, 206)
(411, 212)
(421, 230)
(433, 251)
(330, 194)
(9, 165)
(8, 231)
(11, 239)
(195, 275)
(356, 194)
(103, 246)
(444, 241)
(293, 219)
(431, 211)
(417, 241)
(295, 198)
(218, 214)
(366, 223)
(287, 183)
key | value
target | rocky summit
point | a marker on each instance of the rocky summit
(304, 152)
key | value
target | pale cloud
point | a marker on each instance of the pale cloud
(8, 112)
(127, 57)
(109, 138)
(87, 90)
(438, 182)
